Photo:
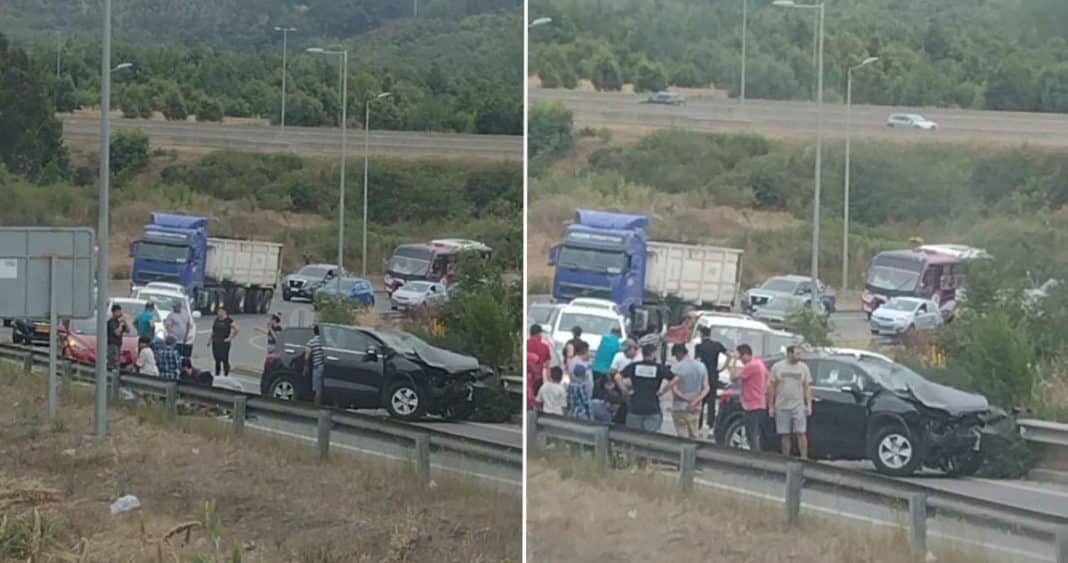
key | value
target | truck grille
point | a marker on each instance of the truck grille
(571, 291)
(147, 277)
(296, 284)
(755, 300)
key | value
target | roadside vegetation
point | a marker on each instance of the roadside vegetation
(198, 503)
(639, 516)
(455, 68)
(930, 53)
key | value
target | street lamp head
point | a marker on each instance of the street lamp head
(122, 66)
(869, 60)
(383, 95)
(784, 3)
(316, 50)
(278, 28)
(540, 21)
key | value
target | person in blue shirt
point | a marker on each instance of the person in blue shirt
(602, 361)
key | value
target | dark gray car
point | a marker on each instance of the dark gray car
(306, 281)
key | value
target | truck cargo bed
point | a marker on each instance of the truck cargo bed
(246, 263)
(707, 276)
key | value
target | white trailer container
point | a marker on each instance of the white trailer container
(243, 273)
(706, 276)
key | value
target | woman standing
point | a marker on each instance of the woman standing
(223, 332)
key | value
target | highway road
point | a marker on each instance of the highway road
(85, 130)
(799, 118)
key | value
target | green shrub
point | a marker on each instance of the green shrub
(129, 151)
(813, 326)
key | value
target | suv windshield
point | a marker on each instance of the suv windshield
(780, 285)
(893, 376)
(591, 324)
(893, 279)
(163, 302)
(418, 286)
(900, 305)
(404, 342)
(313, 271)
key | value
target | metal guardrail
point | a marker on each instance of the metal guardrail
(421, 440)
(689, 455)
(1044, 432)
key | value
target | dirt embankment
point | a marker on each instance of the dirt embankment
(205, 497)
(574, 516)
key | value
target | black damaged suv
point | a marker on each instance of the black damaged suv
(866, 407)
(369, 368)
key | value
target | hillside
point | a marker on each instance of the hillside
(930, 53)
(228, 23)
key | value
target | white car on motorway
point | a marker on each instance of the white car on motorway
(911, 120)
(164, 300)
(595, 322)
(732, 330)
(131, 307)
(903, 314)
(416, 293)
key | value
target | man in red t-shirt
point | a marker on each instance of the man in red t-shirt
(754, 378)
(538, 356)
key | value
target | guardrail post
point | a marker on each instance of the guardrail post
(795, 478)
(27, 362)
(325, 422)
(240, 405)
(422, 458)
(1060, 548)
(918, 522)
(601, 449)
(687, 467)
(115, 380)
(68, 374)
(171, 401)
(532, 432)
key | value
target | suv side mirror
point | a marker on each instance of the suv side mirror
(554, 253)
(371, 355)
(639, 322)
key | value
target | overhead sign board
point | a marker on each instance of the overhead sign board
(26, 256)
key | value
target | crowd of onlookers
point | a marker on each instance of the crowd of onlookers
(625, 381)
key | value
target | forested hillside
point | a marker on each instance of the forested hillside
(1004, 54)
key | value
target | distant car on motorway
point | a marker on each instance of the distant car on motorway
(355, 290)
(903, 314)
(912, 120)
(665, 98)
(778, 296)
(868, 408)
(306, 281)
(370, 368)
(418, 293)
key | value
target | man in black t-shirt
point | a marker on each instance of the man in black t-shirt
(708, 352)
(223, 331)
(117, 328)
(644, 381)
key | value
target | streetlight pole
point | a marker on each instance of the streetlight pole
(745, 27)
(285, 49)
(344, 80)
(103, 277)
(366, 153)
(819, 149)
(845, 203)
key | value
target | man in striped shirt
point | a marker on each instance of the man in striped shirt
(315, 361)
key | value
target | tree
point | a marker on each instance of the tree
(209, 109)
(1053, 89)
(549, 129)
(174, 107)
(135, 102)
(129, 151)
(31, 138)
(1012, 86)
(606, 74)
(649, 77)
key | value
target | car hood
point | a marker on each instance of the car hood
(948, 399)
(298, 277)
(560, 340)
(445, 359)
(409, 294)
(884, 313)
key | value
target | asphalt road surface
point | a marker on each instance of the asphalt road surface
(81, 129)
(779, 117)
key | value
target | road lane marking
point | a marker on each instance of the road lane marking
(289, 434)
(1021, 486)
(874, 521)
(491, 426)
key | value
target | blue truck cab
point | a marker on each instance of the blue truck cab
(603, 255)
(173, 248)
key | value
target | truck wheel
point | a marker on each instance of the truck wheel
(252, 301)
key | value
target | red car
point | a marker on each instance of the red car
(78, 337)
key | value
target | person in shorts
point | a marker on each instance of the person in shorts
(790, 401)
(315, 362)
(644, 381)
(690, 387)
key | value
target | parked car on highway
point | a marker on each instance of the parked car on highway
(869, 408)
(164, 298)
(131, 306)
(903, 314)
(355, 290)
(595, 322)
(666, 98)
(913, 120)
(778, 296)
(542, 314)
(177, 287)
(26, 331)
(78, 339)
(307, 280)
(732, 330)
(417, 293)
(369, 368)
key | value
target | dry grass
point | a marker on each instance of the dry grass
(205, 496)
(575, 513)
